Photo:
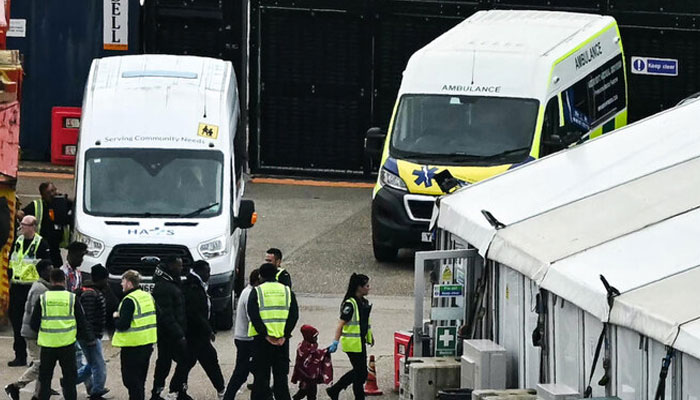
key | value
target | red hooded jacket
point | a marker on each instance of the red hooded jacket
(313, 365)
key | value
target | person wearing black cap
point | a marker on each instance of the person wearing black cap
(172, 323)
(99, 276)
(273, 312)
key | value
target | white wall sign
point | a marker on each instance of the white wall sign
(18, 28)
(116, 25)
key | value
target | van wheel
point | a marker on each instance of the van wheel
(224, 318)
(384, 253)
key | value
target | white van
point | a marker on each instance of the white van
(498, 90)
(158, 170)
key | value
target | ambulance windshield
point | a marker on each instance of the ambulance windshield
(154, 183)
(453, 129)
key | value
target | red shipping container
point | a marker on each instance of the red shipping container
(65, 125)
(9, 139)
(403, 347)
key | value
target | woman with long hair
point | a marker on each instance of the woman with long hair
(354, 332)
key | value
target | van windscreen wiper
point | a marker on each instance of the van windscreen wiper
(199, 211)
(505, 153)
(143, 215)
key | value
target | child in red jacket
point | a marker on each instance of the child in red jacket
(312, 366)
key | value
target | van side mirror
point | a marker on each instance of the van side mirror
(557, 142)
(247, 216)
(374, 143)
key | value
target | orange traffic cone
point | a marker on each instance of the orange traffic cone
(371, 388)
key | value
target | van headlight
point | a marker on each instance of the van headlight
(386, 178)
(213, 248)
(94, 247)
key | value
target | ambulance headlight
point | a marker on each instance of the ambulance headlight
(94, 247)
(213, 248)
(386, 178)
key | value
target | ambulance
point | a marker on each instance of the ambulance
(498, 90)
(159, 171)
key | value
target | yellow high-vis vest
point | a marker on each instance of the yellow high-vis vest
(23, 267)
(351, 338)
(143, 329)
(274, 301)
(58, 326)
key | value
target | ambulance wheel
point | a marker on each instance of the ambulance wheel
(384, 253)
(224, 318)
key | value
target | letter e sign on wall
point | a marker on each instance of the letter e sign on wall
(116, 25)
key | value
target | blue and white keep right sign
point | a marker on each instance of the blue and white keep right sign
(654, 66)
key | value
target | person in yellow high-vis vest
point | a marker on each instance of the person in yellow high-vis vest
(273, 313)
(28, 249)
(59, 320)
(354, 332)
(136, 332)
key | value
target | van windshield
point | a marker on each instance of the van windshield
(454, 129)
(153, 183)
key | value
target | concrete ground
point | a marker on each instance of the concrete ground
(325, 236)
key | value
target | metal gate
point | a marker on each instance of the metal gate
(321, 74)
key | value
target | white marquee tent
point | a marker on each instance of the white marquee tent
(625, 206)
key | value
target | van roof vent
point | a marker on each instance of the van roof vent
(159, 74)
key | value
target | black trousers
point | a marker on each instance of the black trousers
(66, 359)
(268, 357)
(135, 361)
(202, 350)
(356, 377)
(244, 359)
(309, 392)
(168, 352)
(18, 298)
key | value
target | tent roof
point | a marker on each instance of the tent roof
(626, 206)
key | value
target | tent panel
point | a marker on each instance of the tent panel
(629, 368)
(690, 383)
(568, 367)
(688, 340)
(592, 328)
(510, 328)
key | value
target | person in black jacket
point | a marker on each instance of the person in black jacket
(99, 276)
(274, 256)
(94, 373)
(172, 322)
(200, 334)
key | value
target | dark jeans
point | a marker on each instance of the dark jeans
(66, 359)
(202, 350)
(268, 357)
(309, 392)
(356, 377)
(168, 352)
(135, 361)
(18, 298)
(244, 356)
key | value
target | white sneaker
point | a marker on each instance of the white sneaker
(220, 395)
(171, 396)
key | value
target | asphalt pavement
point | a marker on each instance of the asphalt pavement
(324, 233)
